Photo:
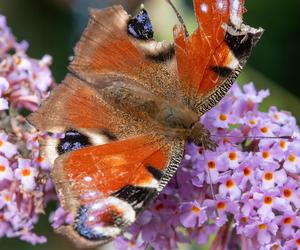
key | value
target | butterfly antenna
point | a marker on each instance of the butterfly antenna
(285, 137)
(213, 193)
(179, 17)
(212, 190)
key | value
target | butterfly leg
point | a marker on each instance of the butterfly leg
(201, 137)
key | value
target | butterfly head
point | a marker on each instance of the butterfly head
(200, 136)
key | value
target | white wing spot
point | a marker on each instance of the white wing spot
(87, 178)
(91, 218)
(234, 10)
(109, 231)
(221, 5)
(92, 193)
(204, 7)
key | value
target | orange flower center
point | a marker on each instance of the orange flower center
(232, 156)
(229, 183)
(195, 209)
(264, 130)
(130, 244)
(211, 164)
(291, 158)
(7, 198)
(252, 122)
(221, 205)
(226, 140)
(268, 200)
(159, 207)
(1, 143)
(298, 242)
(275, 247)
(276, 116)
(247, 171)
(262, 227)
(282, 144)
(287, 193)
(40, 159)
(2, 168)
(18, 60)
(268, 176)
(223, 117)
(244, 220)
(26, 172)
(288, 221)
(266, 154)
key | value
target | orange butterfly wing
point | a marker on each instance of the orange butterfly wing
(106, 48)
(211, 58)
(108, 186)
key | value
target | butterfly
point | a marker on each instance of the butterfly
(128, 106)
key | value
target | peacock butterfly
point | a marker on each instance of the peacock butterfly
(129, 104)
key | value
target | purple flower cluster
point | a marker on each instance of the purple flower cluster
(24, 81)
(24, 184)
(247, 193)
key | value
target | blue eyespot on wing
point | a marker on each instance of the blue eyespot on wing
(140, 27)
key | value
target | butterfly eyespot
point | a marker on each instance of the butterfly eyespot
(73, 140)
(104, 219)
(85, 231)
(140, 27)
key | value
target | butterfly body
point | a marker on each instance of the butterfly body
(129, 105)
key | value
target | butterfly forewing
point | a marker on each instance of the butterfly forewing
(209, 61)
(107, 47)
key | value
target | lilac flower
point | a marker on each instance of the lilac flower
(247, 191)
(262, 231)
(60, 217)
(23, 83)
(192, 214)
(6, 172)
(3, 87)
(26, 174)
(294, 242)
(7, 40)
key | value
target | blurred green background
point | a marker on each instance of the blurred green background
(53, 27)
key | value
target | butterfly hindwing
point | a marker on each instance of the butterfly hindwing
(108, 186)
(103, 159)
